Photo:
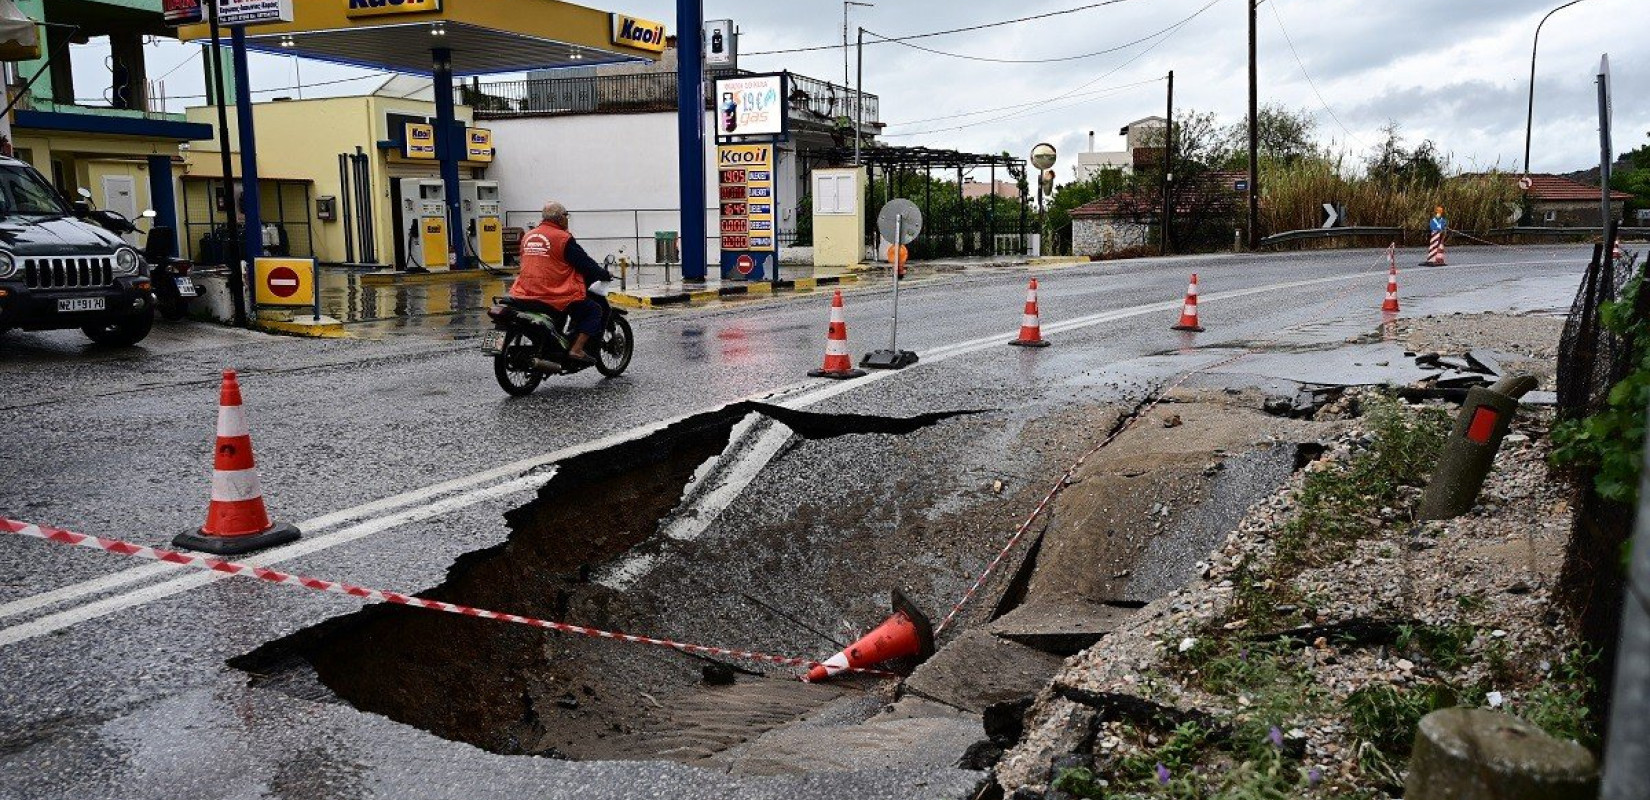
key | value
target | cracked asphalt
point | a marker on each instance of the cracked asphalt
(400, 454)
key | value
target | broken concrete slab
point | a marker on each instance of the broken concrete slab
(1060, 628)
(980, 668)
(911, 734)
(1351, 365)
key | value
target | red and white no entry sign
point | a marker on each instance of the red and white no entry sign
(284, 282)
(745, 265)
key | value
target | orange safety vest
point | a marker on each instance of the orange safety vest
(545, 274)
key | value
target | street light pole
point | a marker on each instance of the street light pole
(859, 93)
(1529, 118)
(845, 29)
(1254, 135)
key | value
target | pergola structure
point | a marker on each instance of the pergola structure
(895, 162)
(427, 37)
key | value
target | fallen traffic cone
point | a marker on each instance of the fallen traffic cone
(837, 363)
(236, 520)
(1391, 304)
(1188, 313)
(1031, 326)
(906, 633)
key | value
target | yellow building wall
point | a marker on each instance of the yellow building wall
(839, 239)
(301, 140)
(87, 159)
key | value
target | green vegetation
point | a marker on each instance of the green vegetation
(1559, 704)
(1612, 441)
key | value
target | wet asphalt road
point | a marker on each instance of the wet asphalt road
(399, 454)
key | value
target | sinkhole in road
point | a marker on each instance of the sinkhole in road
(511, 689)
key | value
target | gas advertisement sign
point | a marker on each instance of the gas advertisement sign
(749, 225)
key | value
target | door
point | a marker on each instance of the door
(120, 196)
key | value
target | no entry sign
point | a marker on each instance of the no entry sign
(285, 282)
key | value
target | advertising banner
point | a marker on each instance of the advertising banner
(638, 33)
(721, 44)
(183, 12)
(253, 12)
(751, 106)
(480, 145)
(378, 8)
(418, 141)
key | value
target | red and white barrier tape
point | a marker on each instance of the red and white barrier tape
(275, 576)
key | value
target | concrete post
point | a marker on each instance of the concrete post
(1470, 452)
(1476, 754)
(1627, 750)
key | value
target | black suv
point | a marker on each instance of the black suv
(60, 271)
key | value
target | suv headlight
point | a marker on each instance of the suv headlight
(8, 265)
(127, 261)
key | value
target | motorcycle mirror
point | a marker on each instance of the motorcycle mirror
(148, 213)
(84, 192)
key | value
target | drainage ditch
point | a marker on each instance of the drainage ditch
(516, 690)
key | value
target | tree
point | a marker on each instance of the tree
(1205, 206)
(1635, 181)
(1392, 165)
(1285, 136)
(1069, 197)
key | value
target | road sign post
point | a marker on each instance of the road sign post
(900, 222)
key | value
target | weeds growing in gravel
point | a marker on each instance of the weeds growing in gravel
(1559, 704)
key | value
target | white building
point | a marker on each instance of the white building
(603, 142)
(1141, 134)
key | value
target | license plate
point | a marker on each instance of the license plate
(186, 287)
(81, 304)
(493, 343)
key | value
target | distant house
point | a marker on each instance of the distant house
(974, 190)
(1125, 219)
(1559, 202)
(1143, 141)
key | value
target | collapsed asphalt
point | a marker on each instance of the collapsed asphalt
(138, 701)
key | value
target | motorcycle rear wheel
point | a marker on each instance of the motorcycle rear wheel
(514, 365)
(618, 344)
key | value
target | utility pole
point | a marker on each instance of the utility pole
(859, 93)
(845, 29)
(232, 242)
(1254, 135)
(1168, 172)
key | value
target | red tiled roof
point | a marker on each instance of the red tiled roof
(1219, 181)
(1557, 189)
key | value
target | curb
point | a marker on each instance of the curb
(699, 297)
(324, 330)
(426, 278)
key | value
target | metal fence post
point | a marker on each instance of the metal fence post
(1627, 750)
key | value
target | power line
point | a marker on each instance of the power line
(1166, 34)
(266, 91)
(1310, 82)
(931, 34)
(990, 60)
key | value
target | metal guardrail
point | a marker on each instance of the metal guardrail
(1532, 230)
(810, 98)
(1328, 233)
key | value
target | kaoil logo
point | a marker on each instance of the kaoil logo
(373, 8)
(639, 33)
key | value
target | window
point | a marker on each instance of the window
(23, 191)
(1550, 216)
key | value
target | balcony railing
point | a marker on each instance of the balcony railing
(811, 99)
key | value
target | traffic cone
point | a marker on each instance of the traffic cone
(236, 520)
(906, 633)
(1391, 304)
(1615, 251)
(837, 363)
(1031, 326)
(1188, 313)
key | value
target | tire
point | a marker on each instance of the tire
(513, 368)
(618, 344)
(172, 312)
(125, 332)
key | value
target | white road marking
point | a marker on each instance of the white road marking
(196, 579)
(468, 483)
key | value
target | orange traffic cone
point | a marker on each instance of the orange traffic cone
(1391, 304)
(1031, 326)
(1188, 313)
(1615, 251)
(906, 633)
(837, 363)
(236, 520)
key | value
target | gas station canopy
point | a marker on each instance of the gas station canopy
(483, 36)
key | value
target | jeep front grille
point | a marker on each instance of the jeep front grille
(67, 273)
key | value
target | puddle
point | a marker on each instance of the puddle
(516, 690)
(346, 296)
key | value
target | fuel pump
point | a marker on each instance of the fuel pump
(424, 224)
(483, 222)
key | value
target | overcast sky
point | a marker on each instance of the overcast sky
(1454, 71)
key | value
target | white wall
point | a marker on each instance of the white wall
(616, 173)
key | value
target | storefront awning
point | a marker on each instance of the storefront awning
(484, 36)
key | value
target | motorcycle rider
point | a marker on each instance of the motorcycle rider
(555, 270)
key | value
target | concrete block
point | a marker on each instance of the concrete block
(1476, 754)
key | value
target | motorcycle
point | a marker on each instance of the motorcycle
(529, 342)
(169, 278)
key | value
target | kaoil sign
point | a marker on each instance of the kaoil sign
(419, 141)
(480, 145)
(639, 33)
(375, 8)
